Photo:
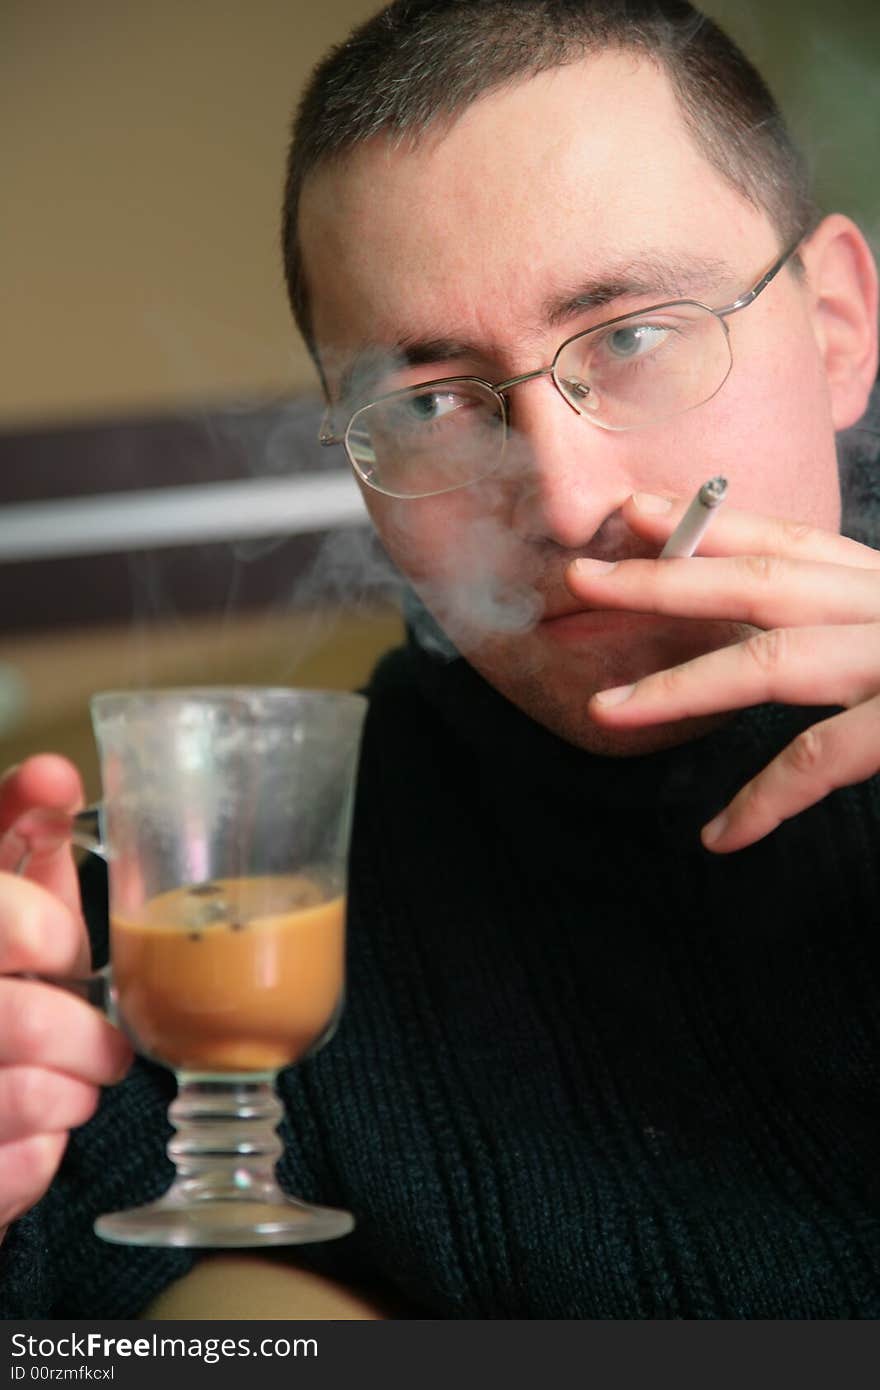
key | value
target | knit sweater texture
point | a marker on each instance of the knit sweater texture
(586, 1068)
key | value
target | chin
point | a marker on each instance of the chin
(628, 743)
(552, 683)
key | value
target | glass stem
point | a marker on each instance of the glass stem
(225, 1144)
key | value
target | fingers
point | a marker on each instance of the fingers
(38, 931)
(736, 532)
(761, 589)
(41, 1025)
(27, 1167)
(815, 598)
(55, 1050)
(34, 1101)
(50, 782)
(43, 780)
(796, 666)
(834, 753)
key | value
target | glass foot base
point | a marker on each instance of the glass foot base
(230, 1222)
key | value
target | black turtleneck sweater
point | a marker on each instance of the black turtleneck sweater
(586, 1069)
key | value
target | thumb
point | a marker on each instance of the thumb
(45, 782)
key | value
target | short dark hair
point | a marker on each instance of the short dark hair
(419, 62)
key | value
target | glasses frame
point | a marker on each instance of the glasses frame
(499, 389)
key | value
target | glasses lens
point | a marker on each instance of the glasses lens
(645, 368)
(427, 439)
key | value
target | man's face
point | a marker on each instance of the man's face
(583, 178)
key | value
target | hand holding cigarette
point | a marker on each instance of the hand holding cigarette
(798, 614)
(693, 525)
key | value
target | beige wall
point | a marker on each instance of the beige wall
(142, 146)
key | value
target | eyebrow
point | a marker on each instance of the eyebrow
(659, 276)
(662, 276)
(371, 361)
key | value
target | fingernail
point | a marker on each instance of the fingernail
(615, 696)
(649, 502)
(715, 829)
(588, 567)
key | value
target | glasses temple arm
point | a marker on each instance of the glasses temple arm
(326, 434)
(752, 294)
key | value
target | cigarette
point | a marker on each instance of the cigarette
(690, 530)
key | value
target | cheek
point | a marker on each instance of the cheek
(770, 432)
(461, 535)
(421, 535)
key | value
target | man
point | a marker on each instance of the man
(607, 1047)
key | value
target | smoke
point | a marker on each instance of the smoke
(489, 589)
(350, 568)
(487, 584)
(299, 568)
(266, 575)
(474, 576)
(487, 581)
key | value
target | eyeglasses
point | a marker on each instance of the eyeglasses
(631, 371)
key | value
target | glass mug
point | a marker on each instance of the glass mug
(224, 821)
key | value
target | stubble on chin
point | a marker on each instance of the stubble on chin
(554, 687)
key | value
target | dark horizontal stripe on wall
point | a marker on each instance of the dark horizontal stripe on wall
(274, 440)
(150, 586)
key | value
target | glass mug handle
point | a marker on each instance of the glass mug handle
(41, 831)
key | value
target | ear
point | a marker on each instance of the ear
(842, 292)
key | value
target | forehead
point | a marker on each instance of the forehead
(467, 233)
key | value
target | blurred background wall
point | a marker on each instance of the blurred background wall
(144, 319)
(143, 147)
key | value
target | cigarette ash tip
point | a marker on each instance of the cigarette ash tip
(712, 493)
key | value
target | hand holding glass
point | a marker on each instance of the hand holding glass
(225, 821)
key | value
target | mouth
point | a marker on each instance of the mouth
(577, 626)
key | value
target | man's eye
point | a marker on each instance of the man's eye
(635, 339)
(430, 406)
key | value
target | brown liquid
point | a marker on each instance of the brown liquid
(239, 975)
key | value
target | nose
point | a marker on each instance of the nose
(568, 475)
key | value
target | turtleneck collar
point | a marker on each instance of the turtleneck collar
(673, 792)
